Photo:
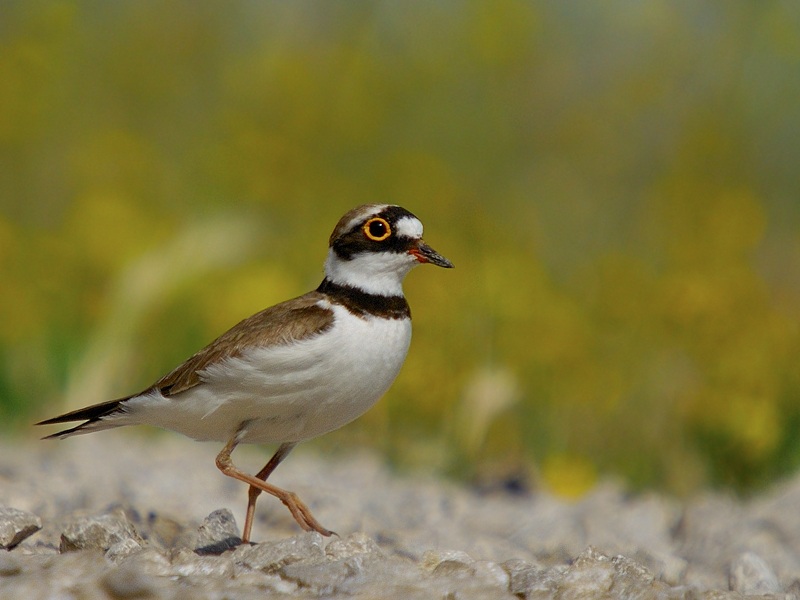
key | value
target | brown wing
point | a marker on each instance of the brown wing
(283, 323)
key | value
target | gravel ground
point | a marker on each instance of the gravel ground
(115, 515)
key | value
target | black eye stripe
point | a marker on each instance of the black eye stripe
(357, 240)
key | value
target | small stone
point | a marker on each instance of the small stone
(217, 533)
(453, 568)
(536, 582)
(98, 532)
(593, 574)
(16, 525)
(348, 563)
(124, 582)
(751, 575)
(491, 573)
(401, 578)
(356, 544)
(521, 574)
(459, 576)
(590, 575)
(123, 549)
(634, 580)
(482, 574)
(455, 559)
(325, 578)
(630, 568)
(272, 556)
(669, 568)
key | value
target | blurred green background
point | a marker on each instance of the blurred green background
(616, 182)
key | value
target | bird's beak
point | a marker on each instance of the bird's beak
(425, 254)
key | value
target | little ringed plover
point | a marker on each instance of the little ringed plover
(294, 371)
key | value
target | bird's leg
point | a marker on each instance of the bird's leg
(299, 510)
(253, 492)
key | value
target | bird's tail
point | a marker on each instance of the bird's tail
(95, 417)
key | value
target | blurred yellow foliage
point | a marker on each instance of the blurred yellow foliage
(568, 476)
(615, 183)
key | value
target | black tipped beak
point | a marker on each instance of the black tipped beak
(425, 254)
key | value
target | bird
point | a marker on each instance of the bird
(296, 370)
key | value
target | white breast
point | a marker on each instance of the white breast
(290, 392)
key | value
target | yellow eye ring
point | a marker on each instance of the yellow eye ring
(377, 229)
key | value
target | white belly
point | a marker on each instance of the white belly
(288, 393)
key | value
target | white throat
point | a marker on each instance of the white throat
(379, 273)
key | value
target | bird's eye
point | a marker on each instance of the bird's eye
(377, 229)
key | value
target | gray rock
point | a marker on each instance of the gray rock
(522, 575)
(218, 533)
(16, 525)
(123, 549)
(98, 532)
(590, 575)
(356, 544)
(327, 578)
(663, 565)
(491, 573)
(751, 575)
(595, 575)
(350, 567)
(454, 571)
(446, 560)
(270, 557)
(537, 583)
(634, 580)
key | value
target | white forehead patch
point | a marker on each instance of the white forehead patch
(409, 227)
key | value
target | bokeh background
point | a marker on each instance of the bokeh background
(617, 183)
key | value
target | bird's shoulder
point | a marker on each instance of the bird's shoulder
(284, 323)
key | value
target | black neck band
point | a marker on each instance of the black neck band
(363, 303)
